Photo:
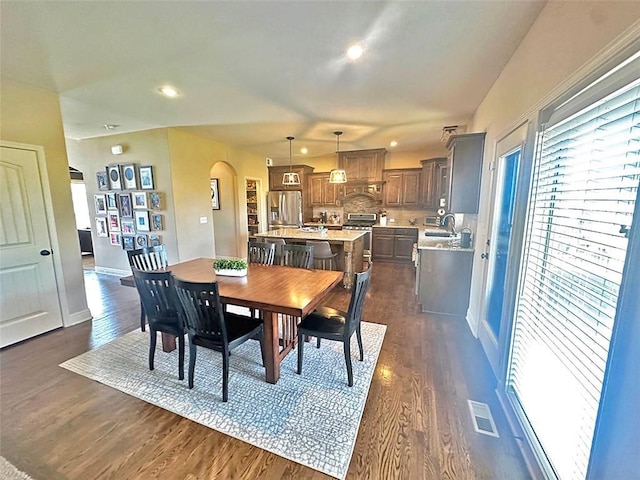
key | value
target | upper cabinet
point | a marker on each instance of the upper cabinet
(321, 192)
(465, 166)
(435, 183)
(363, 165)
(276, 173)
(402, 187)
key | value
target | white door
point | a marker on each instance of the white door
(29, 303)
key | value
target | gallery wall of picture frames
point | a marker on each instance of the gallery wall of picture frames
(128, 209)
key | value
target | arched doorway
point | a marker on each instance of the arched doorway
(226, 230)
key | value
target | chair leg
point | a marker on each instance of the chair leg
(225, 375)
(192, 361)
(300, 351)
(359, 337)
(143, 317)
(317, 342)
(264, 360)
(181, 357)
(347, 357)
(152, 347)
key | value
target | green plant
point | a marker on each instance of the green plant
(229, 264)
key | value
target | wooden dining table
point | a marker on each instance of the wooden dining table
(283, 295)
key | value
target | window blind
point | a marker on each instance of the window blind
(585, 181)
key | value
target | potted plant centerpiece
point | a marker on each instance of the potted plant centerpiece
(230, 267)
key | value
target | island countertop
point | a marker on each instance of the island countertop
(312, 234)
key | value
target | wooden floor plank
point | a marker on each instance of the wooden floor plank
(59, 425)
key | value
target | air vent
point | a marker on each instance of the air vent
(482, 418)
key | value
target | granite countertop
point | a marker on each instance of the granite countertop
(397, 225)
(449, 244)
(319, 224)
(313, 234)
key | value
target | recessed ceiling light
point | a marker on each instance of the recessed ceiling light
(304, 150)
(168, 91)
(393, 143)
(110, 126)
(355, 52)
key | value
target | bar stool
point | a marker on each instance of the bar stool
(322, 254)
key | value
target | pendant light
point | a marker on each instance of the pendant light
(290, 178)
(338, 175)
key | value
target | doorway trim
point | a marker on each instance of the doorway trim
(67, 318)
(520, 138)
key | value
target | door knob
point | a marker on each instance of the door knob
(484, 256)
(44, 252)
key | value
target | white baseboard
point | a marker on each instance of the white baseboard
(113, 271)
(472, 322)
(78, 317)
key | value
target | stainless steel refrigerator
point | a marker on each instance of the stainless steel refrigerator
(285, 209)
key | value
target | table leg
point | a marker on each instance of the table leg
(168, 342)
(271, 347)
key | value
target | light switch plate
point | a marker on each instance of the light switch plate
(203, 219)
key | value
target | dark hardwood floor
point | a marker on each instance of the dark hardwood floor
(416, 425)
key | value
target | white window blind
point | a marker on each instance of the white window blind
(585, 182)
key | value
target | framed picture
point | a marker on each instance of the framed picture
(129, 177)
(128, 226)
(101, 204)
(141, 241)
(215, 196)
(142, 220)
(103, 180)
(115, 182)
(128, 242)
(115, 239)
(124, 205)
(140, 200)
(146, 177)
(154, 240)
(112, 201)
(156, 221)
(113, 221)
(155, 200)
(101, 227)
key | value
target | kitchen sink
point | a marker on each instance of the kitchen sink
(435, 233)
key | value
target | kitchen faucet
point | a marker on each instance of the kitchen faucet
(443, 222)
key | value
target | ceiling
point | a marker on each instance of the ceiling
(251, 73)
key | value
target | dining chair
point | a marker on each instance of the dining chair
(148, 258)
(332, 324)
(162, 309)
(208, 326)
(279, 243)
(322, 254)
(261, 252)
(299, 256)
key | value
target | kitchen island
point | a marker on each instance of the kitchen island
(348, 244)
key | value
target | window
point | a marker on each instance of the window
(584, 186)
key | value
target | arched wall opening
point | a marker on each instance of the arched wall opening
(226, 230)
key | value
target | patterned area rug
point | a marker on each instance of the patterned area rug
(312, 419)
(9, 472)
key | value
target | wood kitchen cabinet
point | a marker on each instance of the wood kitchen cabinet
(435, 183)
(321, 192)
(276, 173)
(402, 187)
(465, 166)
(391, 244)
(363, 165)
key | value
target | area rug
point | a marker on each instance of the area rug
(8, 471)
(312, 419)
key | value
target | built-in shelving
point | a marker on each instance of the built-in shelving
(252, 207)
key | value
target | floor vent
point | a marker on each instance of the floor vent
(482, 418)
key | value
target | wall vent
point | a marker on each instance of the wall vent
(482, 418)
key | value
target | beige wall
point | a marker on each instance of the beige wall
(563, 39)
(141, 148)
(32, 116)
